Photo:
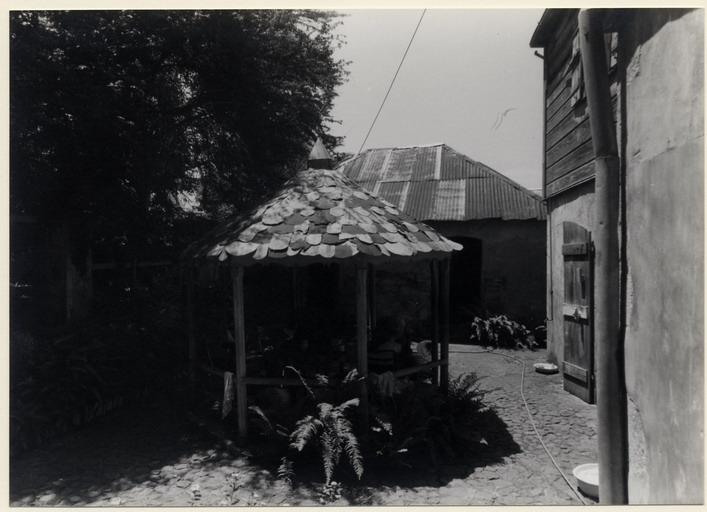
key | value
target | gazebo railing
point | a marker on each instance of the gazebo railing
(241, 380)
(284, 381)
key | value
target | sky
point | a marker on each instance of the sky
(470, 80)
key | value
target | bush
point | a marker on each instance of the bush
(422, 426)
(501, 332)
(58, 383)
(419, 428)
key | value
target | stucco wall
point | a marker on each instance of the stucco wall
(513, 260)
(663, 52)
(575, 205)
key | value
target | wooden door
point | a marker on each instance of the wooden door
(578, 311)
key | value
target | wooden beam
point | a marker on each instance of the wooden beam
(373, 318)
(239, 335)
(421, 368)
(362, 341)
(297, 286)
(112, 264)
(341, 314)
(444, 314)
(434, 316)
(282, 381)
(191, 338)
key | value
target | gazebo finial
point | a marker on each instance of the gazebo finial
(319, 157)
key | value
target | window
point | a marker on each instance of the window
(576, 73)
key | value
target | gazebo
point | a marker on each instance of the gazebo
(321, 216)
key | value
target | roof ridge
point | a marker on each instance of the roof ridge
(381, 174)
(411, 146)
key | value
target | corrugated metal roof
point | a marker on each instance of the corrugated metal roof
(449, 200)
(391, 192)
(438, 183)
(420, 202)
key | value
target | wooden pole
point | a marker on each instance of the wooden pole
(296, 293)
(362, 341)
(612, 438)
(239, 335)
(434, 315)
(372, 296)
(444, 302)
(191, 339)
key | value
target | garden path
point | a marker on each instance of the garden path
(567, 425)
(149, 455)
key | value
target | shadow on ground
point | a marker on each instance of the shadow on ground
(154, 447)
(112, 454)
(493, 443)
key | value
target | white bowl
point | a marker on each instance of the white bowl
(587, 476)
(546, 368)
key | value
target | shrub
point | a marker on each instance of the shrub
(501, 332)
(59, 382)
(419, 428)
(422, 426)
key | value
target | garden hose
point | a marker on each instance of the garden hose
(530, 416)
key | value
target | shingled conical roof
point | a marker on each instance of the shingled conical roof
(322, 214)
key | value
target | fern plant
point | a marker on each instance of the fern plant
(328, 430)
(285, 471)
(332, 434)
(422, 427)
(465, 388)
(501, 332)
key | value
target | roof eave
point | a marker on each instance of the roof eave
(545, 27)
(612, 20)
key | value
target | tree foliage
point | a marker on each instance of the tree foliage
(114, 113)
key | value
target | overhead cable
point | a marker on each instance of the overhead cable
(412, 38)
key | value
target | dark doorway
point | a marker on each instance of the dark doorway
(465, 286)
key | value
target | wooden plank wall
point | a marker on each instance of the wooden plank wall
(569, 156)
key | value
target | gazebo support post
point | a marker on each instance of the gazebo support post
(362, 341)
(372, 296)
(434, 313)
(239, 336)
(191, 339)
(297, 291)
(444, 293)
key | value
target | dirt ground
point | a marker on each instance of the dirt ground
(150, 455)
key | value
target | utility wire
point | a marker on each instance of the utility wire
(392, 81)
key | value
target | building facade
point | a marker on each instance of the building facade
(656, 60)
(500, 224)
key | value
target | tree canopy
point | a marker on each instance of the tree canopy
(114, 113)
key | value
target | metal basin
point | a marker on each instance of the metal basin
(587, 476)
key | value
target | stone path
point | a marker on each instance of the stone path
(149, 455)
(566, 424)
